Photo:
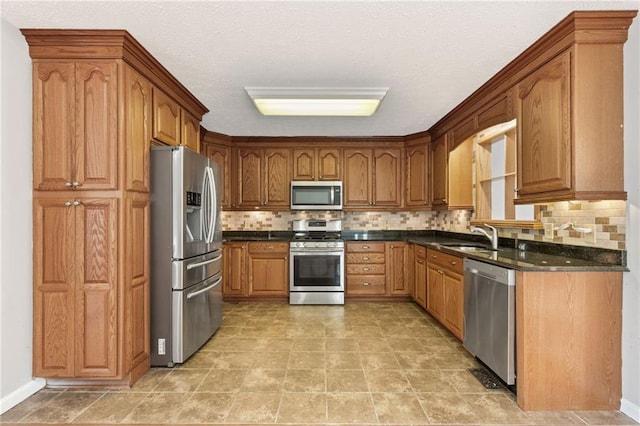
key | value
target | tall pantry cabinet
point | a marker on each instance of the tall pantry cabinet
(92, 130)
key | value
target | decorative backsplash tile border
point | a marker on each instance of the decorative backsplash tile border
(609, 218)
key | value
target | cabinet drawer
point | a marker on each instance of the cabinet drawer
(365, 258)
(366, 284)
(365, 269)
(448, 261)
(268, 247)
(365, 247)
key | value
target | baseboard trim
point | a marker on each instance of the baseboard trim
(20, 394)
(630, 409)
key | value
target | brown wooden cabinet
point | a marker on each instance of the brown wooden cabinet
(263, 178)
(190, 131)
(445, 290)
(221, 154)
(92, 129)
(438, 158)
(166, 118)
(317, 164)
(373, 178)
(420, 276)
(365, 268)
(234, 276)
(397, 268)
(459, 177)
(417, 176)
(75, 125)
(268, 269)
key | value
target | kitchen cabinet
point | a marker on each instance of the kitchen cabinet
(417, 176)
(420, 275)
(92, 130)
(560, 109)
(166, 118)
(365, 268)
(268, 269)
(397, 268)
(75, 125)
(263, 178)
(459, 177)
(445, 290)
(190, 131)
(372, 178)
(317, 164)
(438, 158)
(75, 286)
(221, 154)
(235, 266)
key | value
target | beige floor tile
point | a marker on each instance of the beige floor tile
(374, 345)
(201, 359)
(433, 380)
(263, 380)
(405, 344)
(375, 360)
(463, 381)
(350, 408)
(182, 380)
(346, 381)
(385, 380)
(223, 381)
(367, 330)
(416, 360)
(272, 360)
(29, 405)
(242, 344)
(301, 408)
(343, 360)
(233, 360)
(275, 344)
(334, 344)
(112, 407)
(554, 418)
(63, 408)
(306, 360)
(399, 330)
(304, 344)
(254, 407)
(454, 360)
(440, 345)
(398, 408)
(156, 408)
(149, 381)
(340, 331)
(605, 418)
(305, 381)
(205, 407)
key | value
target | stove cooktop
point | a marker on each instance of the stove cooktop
(316, 236)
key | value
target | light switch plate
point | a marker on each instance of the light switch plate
(548, 231)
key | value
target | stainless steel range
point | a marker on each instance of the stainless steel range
(316, 263)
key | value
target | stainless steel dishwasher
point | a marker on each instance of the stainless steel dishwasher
(489, 316)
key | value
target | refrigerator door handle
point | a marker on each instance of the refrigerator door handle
(206, 262)
(204, 290)
(214, 204)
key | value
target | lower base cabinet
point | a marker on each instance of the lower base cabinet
(445, 290)
(379, 269)
(420, 276)
(255, 269)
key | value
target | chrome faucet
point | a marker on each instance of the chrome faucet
(493, 237)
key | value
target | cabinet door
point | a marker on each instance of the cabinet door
(190, 134)
(138, 104)
(397, 268)
(357, 178)
(96, 147)
(277, 178)
(53, 124)
(417, 178)
(544, 144)
(329, 165)
(166, 118)
(96, 287)
(222, 156)
(453, 296)
(420, 276)
(53, 288)
(438, 161)
(435, 295)
(387, 177)
(304, 162)
(249, 178)
(235, 269)
(268, 275)
(460, 179)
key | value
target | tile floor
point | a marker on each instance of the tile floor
(271, 363)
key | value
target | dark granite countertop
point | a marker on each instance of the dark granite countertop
(533, 255)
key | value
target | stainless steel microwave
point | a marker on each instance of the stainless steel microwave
(316, 195)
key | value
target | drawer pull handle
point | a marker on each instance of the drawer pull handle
(453, 262)
(365, 258)
(365, 247)
(365, 269)
(366, 284)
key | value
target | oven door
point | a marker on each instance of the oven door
(316, 270)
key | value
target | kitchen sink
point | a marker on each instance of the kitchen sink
(468, 247)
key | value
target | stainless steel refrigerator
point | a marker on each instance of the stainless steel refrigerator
(186, 253)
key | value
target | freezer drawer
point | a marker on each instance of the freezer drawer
(197, 314)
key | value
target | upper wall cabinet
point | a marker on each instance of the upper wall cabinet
(438, 158)
(221, 154)
(417, 176)
(317, 164)
(372, 178)
(138, 106)
(75, 125)
(166, 118)
(263, 178)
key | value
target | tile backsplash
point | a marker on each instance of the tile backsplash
(609, 218)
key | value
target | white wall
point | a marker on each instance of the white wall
(16, 382)
(631, 289)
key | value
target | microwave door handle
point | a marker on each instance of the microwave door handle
(332, 195)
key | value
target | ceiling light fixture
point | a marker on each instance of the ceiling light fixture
(314, 101)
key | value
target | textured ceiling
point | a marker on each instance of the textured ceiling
(431, 54)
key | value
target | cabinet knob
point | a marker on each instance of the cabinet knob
(75, 184)
(76, 202)
(420, 262)
(366, 284)
(365, 269)
(67, 184)
(433, 256)
(67, 204)
(453, 262)
(365, 258)
(516, 190)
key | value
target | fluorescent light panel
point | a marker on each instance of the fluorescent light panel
(305, 101)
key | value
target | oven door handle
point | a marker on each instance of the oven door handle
(206, 262)
(204, 290)
(312, 251)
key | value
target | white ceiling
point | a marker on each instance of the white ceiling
(431, 54)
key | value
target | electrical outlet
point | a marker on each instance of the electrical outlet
(548, 231)
(591, 236)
